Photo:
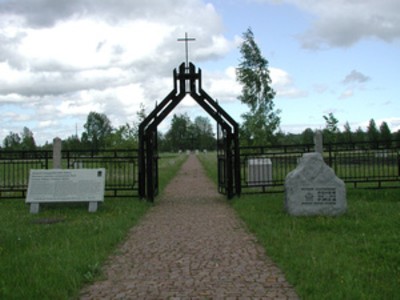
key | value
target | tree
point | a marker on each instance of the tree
(373, 132)
(27, 140)
(185, 134)
(72, 143)
(204, 132)
(141, 115)
(179, 135)
(12, 141)
(397, 138)
(123, 137)
(261, 121)
(359, 135)
(331, 129)
(307, 136)
(289, 138)
(98, 127)
(385, 134)
(347, 135)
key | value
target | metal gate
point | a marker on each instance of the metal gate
(228, 183)
(188, 81)
(148, 163)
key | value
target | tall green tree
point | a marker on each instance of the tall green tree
(97, 129)
(260, 123)
(373, 132)
(331, 129)
(27, 139)
(359, 135)
(385, 134)
(347, 136)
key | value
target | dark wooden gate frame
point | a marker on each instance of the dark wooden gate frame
(186, 81)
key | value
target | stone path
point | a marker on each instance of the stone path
(190, 245)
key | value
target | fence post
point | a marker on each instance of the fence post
(57, 153)
(318, 142)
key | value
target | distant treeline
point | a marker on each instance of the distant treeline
(186, 134)
(99, 134)
(332, 134)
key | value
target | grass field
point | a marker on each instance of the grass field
(356, 256)
(53, 254)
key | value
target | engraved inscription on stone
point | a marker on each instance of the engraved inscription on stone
(326, 195)
(318, 196)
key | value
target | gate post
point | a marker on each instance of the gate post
(142, 163)
(238, 183)
(228, 153)
(149, 165)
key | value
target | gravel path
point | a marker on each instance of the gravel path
(190, 245)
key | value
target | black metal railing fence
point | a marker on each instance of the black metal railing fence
(121, 169)
(264, 168)
(15, 167)
(365, 162)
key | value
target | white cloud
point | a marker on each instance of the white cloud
(48, 124)
(91, 44)
(59, 60)
(13, 116)
(223, 86)
(73, 108)
(342, 23)
(394, 124)
(284, 85)
(219, 47)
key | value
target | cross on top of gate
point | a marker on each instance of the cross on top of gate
(186, 39)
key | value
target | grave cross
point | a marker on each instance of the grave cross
(186, 39)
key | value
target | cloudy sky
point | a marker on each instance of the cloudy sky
(59, 60)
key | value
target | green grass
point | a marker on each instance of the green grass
(54, 261)
(209, 163)
(355, 256)
(168, 166)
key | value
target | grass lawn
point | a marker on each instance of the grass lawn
(355, 256)
(44, 260)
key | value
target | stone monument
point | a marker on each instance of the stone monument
(314, 189)
(318, 142)
(57, 143)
